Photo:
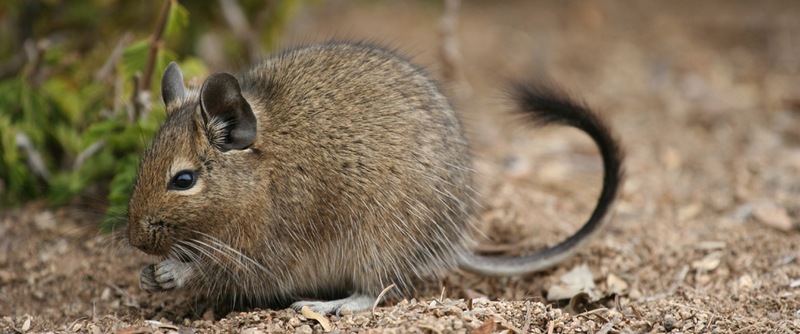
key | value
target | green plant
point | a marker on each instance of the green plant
(67, 123)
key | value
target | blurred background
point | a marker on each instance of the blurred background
(705, 97)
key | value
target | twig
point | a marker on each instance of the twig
(592, 312)
(527, 325)
(34, 51)
(140, 99)
(263, 17)
(679, 279)
(35, 161)
(636, 313)
(380, 297)
(236, 19)
(745, 329)
(609, 325)
(72, 324)
(155, 40)
(323, 321)
(450, 50)
(87, 153)
(690, 308)
(116, 54)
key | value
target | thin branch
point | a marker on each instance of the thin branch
(88, 153)
(35, 161)
(155, 40)
(527, 324)
(450, 50)
(380, 297)
(140, 100)
(34, 51)
(236, 19)
(116, 54)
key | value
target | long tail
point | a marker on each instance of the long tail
(545, 105)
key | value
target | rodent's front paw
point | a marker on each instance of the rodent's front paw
(147, 279)
(166, 275)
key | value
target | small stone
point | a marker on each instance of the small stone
(745, 282)
(106, 294)
(669, 323)
(304, 329)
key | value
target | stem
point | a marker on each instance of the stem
(155, 40)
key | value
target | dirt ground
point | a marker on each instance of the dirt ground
(705, 97)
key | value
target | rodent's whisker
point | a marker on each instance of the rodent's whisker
(236, 255)
(334, 168)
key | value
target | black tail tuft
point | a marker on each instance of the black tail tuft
(543, 104)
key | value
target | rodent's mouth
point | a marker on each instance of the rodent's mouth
(157, 251)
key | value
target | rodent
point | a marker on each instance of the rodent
(328, 172)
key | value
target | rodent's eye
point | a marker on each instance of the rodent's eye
(183, 180)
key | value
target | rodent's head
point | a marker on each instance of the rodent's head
(191, 170)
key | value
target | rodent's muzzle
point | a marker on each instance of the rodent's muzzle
(149, 236)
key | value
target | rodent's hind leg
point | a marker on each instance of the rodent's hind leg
(165, 275)
(356, 302)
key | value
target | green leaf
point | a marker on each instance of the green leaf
(177, 20)
(134, 58)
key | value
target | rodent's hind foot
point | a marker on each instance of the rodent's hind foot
(165, 275)
(356, 302)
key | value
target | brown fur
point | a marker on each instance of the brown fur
(352, 175)
(359, 178)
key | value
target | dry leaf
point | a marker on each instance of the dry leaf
(708, 263)
(310, 314)
(26, 326)
(577, 280)
(773, 215)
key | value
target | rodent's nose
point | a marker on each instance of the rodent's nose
(135, 234)
(143, 234)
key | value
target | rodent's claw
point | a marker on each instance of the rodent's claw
(147, 279)
(354, 303)
(165, 275)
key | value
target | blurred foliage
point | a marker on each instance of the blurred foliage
(72, 113)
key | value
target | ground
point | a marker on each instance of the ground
(705, 97)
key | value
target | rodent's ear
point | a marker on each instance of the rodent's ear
(228, 118)
(172, 83)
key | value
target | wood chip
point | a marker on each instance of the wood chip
(310, 314)
(486, 327)
(745, 282)
(616, 284)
